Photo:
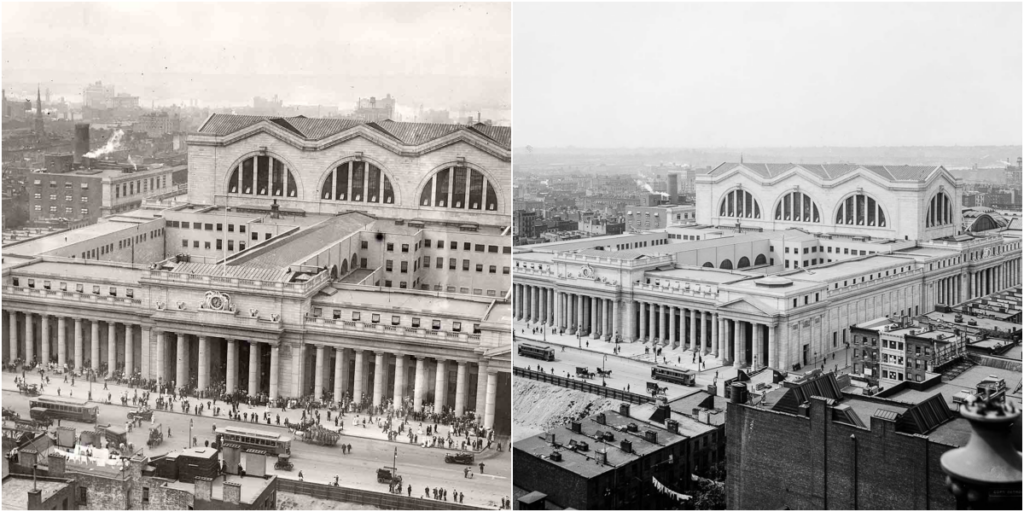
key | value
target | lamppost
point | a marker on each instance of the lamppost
(986, 474)
(604, 360)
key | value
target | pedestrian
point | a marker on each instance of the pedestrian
(481, 468)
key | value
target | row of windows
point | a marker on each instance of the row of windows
(124, 243)
(684, 237)
(940, 211)
(878, 275)
(67, 184)
(856, 210)
(262, 176)
(205, 226)
(132, 188)
(67, 198)
(358, 182)
(79, 287)
(459, 187)
(396, 320)
(67, 210)
(219, 244)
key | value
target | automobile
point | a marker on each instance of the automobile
(142, 412)
(459, 458)
(284, 462)
(156, 436)
(29, 389)
(388, 475)
(10, 414)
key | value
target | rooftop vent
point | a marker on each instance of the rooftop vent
(651, 436)
(555, 457)
(626, 446)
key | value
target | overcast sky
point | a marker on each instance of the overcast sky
(304, 52)
(657, 75)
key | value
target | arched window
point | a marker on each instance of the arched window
(262, 175)
(760, 260)
(797, 207)
(459, 187)
(726, 264)
(357, 182)
(741, 204)
(940, 211)
(743, 263)
(860, 210)
(709, 265)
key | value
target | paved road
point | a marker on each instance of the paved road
(421, 467)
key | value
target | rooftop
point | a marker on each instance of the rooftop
(251, 486)
(43, 245)
(406, 301)
(86, 271)
(830, 172)
(297, 247)
(16, 488)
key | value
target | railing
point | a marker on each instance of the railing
(362, 497)
(75, 296)
(873, 282)
(391, 330)
(208, 316)
(693, 290)
(586, 387)
(650, 260)
(180, 277)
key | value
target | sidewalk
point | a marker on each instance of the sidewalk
(81, 390)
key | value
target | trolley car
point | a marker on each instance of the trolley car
(537, 352)
(673, 375)
(66, 408)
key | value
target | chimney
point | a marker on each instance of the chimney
(624, 410)
(81, 141)
(651, 436)
(256, 463)
(35, 499)
(551, 438)
(275, 210)
(56, 466)
(231, 454)
(576, 427)
(204, 488)
(602, 456)
(600, 419)
(626, 446)
(672, 426)
(232, 492)
(673, 188)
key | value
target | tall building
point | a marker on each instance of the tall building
(372, 110)
(310, 258)
(39, 115)
(781, 263)
(98, 96)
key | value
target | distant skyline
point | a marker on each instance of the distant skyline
(767, 75)
(439, 55)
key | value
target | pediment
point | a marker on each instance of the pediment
(745, 306)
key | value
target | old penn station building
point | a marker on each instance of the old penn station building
(782, 261)
(314, 257)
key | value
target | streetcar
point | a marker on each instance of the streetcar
(674, 375)
(66, 408)
(537, 351)
(269, 442)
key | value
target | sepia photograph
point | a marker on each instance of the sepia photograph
(767, 256)
(257, 256)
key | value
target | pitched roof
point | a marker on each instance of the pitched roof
(925, 415)
(824, 386)
(410, 134)
(833, 171)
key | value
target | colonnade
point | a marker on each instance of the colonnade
(993, 279)
(44, 339)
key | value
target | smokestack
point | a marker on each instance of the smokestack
(81, 141)
(673, 188)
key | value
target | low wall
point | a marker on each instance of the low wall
(362, 497)
(586, 387)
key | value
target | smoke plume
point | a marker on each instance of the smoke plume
(112, 145)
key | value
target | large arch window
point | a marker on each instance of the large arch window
(459, 187)
(860, 210)
(741, 204)
(940, 211)
(357, 182)
(262, 175)
(797, 207)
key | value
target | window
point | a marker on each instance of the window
(451, 263)
(860, 210)
(465, 265)
(741, 204)
(83, 496)
(220, 244)
(206, 245)
(415, 322)
(388, 265)
(797, 207)
(493, 269)
(357, 181)
(505, 270)
(375, 318)
(355, 316)
(195, 244)
(197, 225)
(262, 175)
(405, 247)
(395, 320)
(231, 245)
(405, 267)
(469, 189)
(318, 312)
(435, 324)
(391, 247)
(479, 267)
(426, 262)
(113, 291)
(456, 326)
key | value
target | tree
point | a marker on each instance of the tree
(710, 495)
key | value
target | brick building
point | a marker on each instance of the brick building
(612, 459)
(811, 445)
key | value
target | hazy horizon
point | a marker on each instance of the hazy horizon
(767, 75)
(224, 54)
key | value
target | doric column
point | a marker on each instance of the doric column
(275, 364)
(663, 334)
(629, 328)
(460, 390)
(559, 314)
(161, 351)
(111, 349)
(607, 326)
(743, 355)
(704, 346)
(340, 358)
(616, 322)
(399, 380)
(146, 345)
(417, 391)
(204, 363)
(758, 346)
(542, 303)
(772, 355)
(78, 344)
(642, 316)
(45, 340)
(492, 394)
(357, 387)
(672, 336)
(578, 306)
(693, 330)
(318, 383)
(652, 320)
(481, 391)
(298, 360)
(62, 340)
(30, 337)
(714, 335)
(129, 351)
(12, 326)
(378, 378)
(232, 376)
(181, 374)
(254, 368)
(439, 387)
(94, 346)
(551, 307)
(594, 318)
(517, 301)
(535, 304)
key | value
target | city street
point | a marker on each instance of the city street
(419, 467)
